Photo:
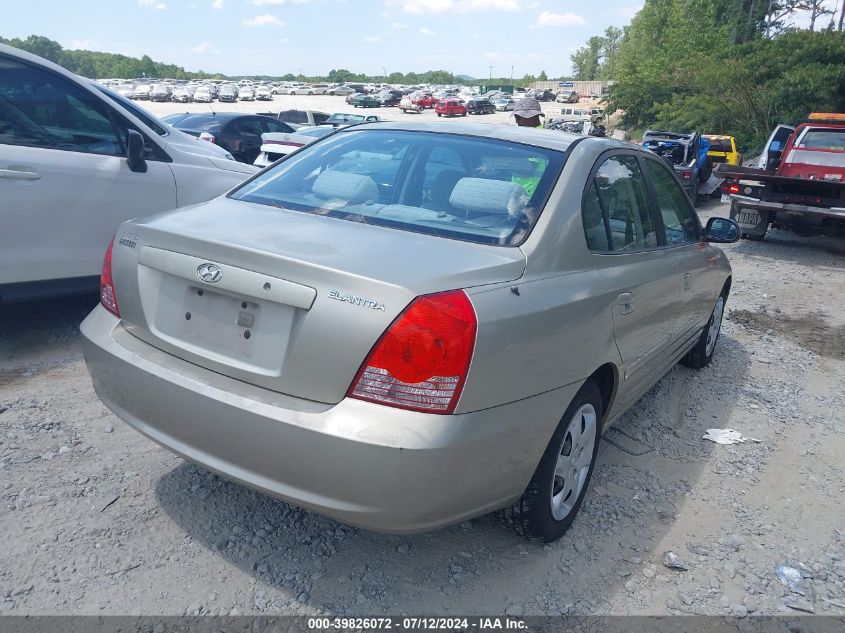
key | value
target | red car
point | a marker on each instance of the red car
(450, 107)
(426, 101)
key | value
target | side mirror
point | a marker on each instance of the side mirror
(774, 148)
(721, 231)
(135, 151)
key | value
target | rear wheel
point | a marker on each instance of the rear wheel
(553, 497)
(701, 355)
(706, 171)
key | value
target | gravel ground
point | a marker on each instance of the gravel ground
(98, 520)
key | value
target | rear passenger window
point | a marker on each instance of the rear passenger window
(616, 204)
(678, 218)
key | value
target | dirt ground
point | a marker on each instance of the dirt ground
(96, 519)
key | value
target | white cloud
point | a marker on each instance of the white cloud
(399, 25)
(560, 19)
(81, 44)
(217, 4)
(263, 20)
(203, 48)
(427, 32)
(372, 39)
(264, 3)
(152, 4)
(458, 6)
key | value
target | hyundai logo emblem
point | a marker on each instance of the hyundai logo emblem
(209, 273)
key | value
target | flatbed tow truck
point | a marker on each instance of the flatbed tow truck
(802, 188)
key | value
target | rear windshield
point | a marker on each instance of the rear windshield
(474, 189)
(199, 122)
(345, 118)
(824, 139)
(720, 145)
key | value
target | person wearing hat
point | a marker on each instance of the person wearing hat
(527, 113)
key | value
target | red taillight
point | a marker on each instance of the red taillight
(421, 361)
(205, 136)
(686, 175)
(107, 295)
(733, 188)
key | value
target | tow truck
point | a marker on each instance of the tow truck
(802, 186)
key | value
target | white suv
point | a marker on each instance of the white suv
(76, 160)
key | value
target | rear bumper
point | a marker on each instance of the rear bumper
(364, 464)
(803, 216)
(788, 208)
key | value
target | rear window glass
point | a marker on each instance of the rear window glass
(345, 118)
(824, 139)
(473, 189)
(199, 123)
(720, 145)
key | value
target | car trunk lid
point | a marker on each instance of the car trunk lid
(285, 300)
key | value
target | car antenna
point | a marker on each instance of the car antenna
(212, 110)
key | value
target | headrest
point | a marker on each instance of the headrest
(354, 188)
(490, 196)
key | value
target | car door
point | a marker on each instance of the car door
(65, 184)
(246, 132)
(773, 149)
(696, 261)
(641, 276)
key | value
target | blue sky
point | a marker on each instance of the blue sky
(274, 37)
(278, 36)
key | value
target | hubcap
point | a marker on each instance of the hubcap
(573, 462)
(715, 325)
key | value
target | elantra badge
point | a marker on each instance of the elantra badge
(209, 273)
(356, 301)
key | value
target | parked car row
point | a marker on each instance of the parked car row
(194, 92)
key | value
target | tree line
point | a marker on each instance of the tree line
(720, 66)
(97, 65)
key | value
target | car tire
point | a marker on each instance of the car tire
(706, 171)
(694, 196)
(438, 114)
(551, 502)
(701, 355)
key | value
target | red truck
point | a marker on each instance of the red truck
(799, 185)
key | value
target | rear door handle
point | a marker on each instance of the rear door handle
(14, 174)
(626, 303)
